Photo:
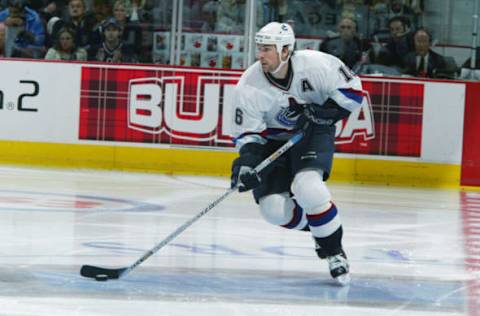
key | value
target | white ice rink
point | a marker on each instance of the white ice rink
(412, 251)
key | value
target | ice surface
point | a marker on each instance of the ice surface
(412, 251)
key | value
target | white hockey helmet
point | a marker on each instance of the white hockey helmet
(278, 34)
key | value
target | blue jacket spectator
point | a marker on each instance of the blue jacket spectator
(18, 14)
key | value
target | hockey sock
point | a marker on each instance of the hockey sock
(332, 245)
(326, 229)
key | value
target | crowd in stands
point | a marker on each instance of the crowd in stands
(110, 31)
(368, 35)
(397, 45)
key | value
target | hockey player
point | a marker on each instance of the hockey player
(283, 91)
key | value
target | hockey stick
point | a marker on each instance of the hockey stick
(103, 274)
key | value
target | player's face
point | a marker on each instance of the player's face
(268, 57)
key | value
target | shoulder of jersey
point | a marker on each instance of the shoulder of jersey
(252, 75)
(311, 56)
(308, 59)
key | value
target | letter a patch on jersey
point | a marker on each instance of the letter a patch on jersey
(306, 85)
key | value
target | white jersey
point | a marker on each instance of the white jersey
(261, 109)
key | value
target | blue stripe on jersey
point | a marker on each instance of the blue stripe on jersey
(322, 218)
(355, 95)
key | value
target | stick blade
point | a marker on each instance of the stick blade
(92, 271)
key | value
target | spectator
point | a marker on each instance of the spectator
(54, 24)
(162, 15)
(131, 31)
(228, 18)
(469, 71)
(275, 10)
(347, 46)
(83, 23)
(55, 8)
(399, 8)
(467, 63)
(101, 9)
(139, 11)
(112, 49)
(208, 15)
(26, 29)
(48, 8)
(314, 17)
(64, 47)
(398, 45)
(378, 20)
(2, 39)
(355, 10)
(36, 4)
(423, 62)
(381, 11)
(231, 16)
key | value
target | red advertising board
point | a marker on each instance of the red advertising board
(397, 109)
(471, 138)
(191, 107)
(122, 105)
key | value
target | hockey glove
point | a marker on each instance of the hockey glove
(322, 115)
(243, 173)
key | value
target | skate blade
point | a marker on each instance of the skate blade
(343, 279)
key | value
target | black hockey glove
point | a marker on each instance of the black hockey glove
(322, 115)
(251, 155)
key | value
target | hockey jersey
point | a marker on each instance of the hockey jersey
(261, 106)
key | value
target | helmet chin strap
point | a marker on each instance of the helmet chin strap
(282, 63)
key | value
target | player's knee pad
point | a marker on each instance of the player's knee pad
(311, 191)
(279, 209)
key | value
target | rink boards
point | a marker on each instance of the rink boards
(178, 120)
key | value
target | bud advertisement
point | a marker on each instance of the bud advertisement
(193, 108)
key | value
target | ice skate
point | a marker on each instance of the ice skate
(339, 268)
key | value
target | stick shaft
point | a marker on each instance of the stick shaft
(178, 231)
